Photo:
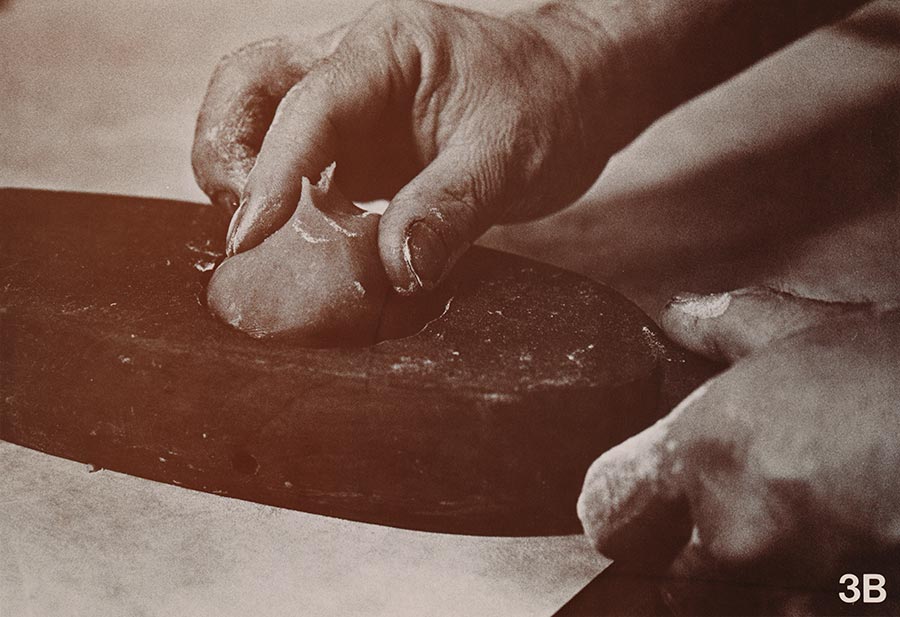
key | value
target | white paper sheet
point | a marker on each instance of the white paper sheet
(80, 543)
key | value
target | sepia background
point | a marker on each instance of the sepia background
(102, 96)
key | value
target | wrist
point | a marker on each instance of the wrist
(602, 64)
(654, 55)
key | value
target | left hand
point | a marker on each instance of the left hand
(787, 462)
(461, 119)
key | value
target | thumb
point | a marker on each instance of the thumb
(731, 325)
(433, 220)
(632, 504)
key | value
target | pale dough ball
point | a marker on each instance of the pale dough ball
(318, 279)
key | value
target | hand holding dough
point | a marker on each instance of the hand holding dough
(318, 279)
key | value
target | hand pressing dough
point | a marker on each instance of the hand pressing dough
(318, 279)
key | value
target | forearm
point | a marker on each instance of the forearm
(653, 55)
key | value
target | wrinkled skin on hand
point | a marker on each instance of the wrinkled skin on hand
(782, 470)
(441, 110)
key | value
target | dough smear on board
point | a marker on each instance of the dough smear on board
(318, 279)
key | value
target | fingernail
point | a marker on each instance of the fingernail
(425, 254)
(703, 306)
(235, 230)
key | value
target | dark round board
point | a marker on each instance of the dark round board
(483, 422)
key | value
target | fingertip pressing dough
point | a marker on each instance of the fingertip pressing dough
(318, 279)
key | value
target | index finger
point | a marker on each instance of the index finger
(344, 94)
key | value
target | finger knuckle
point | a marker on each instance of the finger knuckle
(252, 54)
(387, 14)
(255, 67)
(396, 10)
(471, 200)
(399, 18)
(462, 200)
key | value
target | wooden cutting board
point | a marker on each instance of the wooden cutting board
(481, 422)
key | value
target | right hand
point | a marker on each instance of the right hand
(461, 119)
(781, 471)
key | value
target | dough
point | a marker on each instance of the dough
(318, 279)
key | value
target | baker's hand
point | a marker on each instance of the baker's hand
(460, 118)
(787, 462)
(243, 94)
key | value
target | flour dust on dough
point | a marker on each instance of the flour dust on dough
(318, 279)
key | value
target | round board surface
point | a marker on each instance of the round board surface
(482, 421)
